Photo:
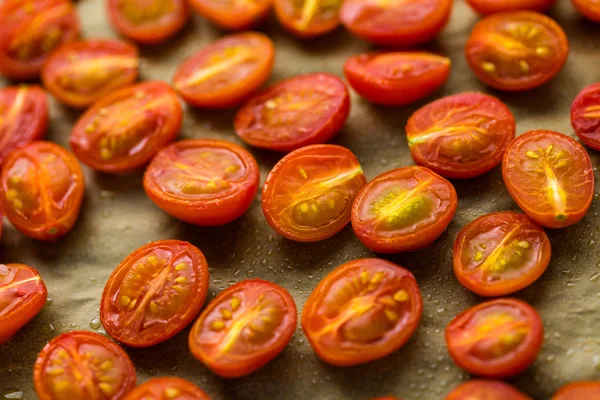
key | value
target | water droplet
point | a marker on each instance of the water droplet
(95, 323)
(49, 301)
(73, 326)
(441, 310)
(570, 284)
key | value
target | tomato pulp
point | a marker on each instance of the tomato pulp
(308, 18)
(585, 115)
(494, 6)
(165, 389)
(488, 390)
(578, 391)
(233, 14)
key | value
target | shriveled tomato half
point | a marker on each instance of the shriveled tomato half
(308, 195)
(226, 72)
(166, 389)
(82, 365)
(403, 210)
(300, 111)
(42, 188)
(30, 30)
(396, 23)
(81, 73)
(243, 328)
(579, 391)
(494, 6)
(486, 390)
(585, 115)
(590, 9)
(364, 310)
(203, 182)
(233, 14)
(550, 177)
(154, 293)
(496, 339)
(308, 18)
(124, 130)
(517, 51)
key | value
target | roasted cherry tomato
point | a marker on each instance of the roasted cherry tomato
(41, 189)
(362, 311)
(461, 136)
(297, 112)
(166, 389)
(226, 72)
(585, 116)
(579, 391)
(403, 210)
(494, 6)
(588, 8)
(243, 328)
(308, 195)
(517, 51)
(32, 29)
(203, 182)
(82, 365)
(233, 14)
(308, 18)
(496, 339)
(550, 177)
(81, 73)
(486, 390)
(123, 131)
(397, 23)
(22, 296)
(154, 293)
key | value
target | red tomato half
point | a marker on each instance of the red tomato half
(300, 111)
(22, 296)
(243, 328)
(494, 6)
(363, 310)
(82, 365)
(585, 116)
(486, 390)
(496, 339)
(308, 18)
(81, 73)
(550, 177)
(166, 389)
(588, 8)
(589, 390)
(226, 72)
(233, 14)
(123, 131)
(154, 293)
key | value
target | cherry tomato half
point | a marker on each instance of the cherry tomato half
(397, 23)
(300, 111)
(485, 7)
(81, 73)
(496, 339)
(550, 177)
(308, 195)
(123, 131)
(154, 293)
(243, 328)
(32, 29)
(461, 136)
(517, 51)
(82, 365)
(165, 389)
(486, 390)
(203, 182)
(226, 72)
(578, 391)
(403, 210)
(308, 18)
(585, 116)
(233, 14)
(590, 9)
(22, 296)
(42, 188)
(362, 311)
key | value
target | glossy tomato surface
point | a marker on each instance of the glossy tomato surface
(82, 365)
(300, 111)
(486, 390)
(579, 391)
(166, 389)
(403, 210)
(550, 177)
(41, 190)
(494, 6)
(308, 18)
(462, 135)
(243, 328)
(233, 14)
(362, 311)
(517, 51)
(81, 73)
(227, 71)
(203, 182)
(496, 339)
(585, 116)
(154, 293)
(590, 9)
(124, 130)
(308, 195)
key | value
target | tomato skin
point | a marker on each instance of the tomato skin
(584, 116)
(206, 209)
(242, 306)
(589, 9)
(485, 7)
(578, 390)
(233, 17)
(158, 388)
(313, 19)
(486, 389)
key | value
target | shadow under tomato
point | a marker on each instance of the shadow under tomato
(120, 183)
(171, 46)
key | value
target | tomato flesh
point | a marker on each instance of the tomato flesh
(585, 116)
(485, 7)
(578, 391)
(233, 14)
(488, 390)
(166, 389)
(308, 18)
(590, 9)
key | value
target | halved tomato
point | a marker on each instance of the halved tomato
(227, 71)
(82, 365)
(300, 111)
(81, 73)
(579, 391)
(585, 115)
(308, 195)
(308, 18)
(364, 310)
(516, 51)
(203, 182)
(461, 136)
(590, 9)
(124, 130)
(403, 210)
(494, 6)
(550, 176)
(166, 389)
(488, 390)
(243, 328)
(496, 339)
(41, 188)
(233, 14)
(154, 293)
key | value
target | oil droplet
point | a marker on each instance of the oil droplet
(93, 279)
(52, 327)
(95, 323)
(595, 277)
(570, 284)
(216, 281)
(105, 194)
(13, 394)
(73, 325)
(49, 301)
